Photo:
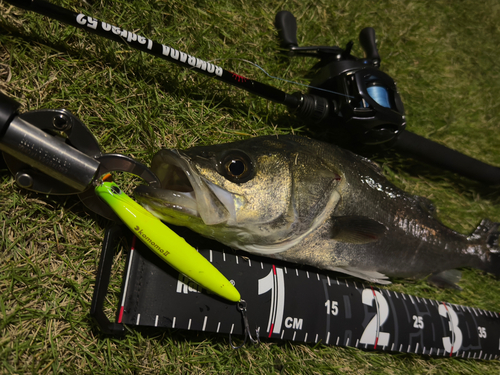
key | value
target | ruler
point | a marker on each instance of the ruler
(286, 302)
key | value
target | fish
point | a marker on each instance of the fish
(309, 202)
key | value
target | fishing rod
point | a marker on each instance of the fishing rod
(351, 95)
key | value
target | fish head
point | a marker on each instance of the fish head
(261, 195)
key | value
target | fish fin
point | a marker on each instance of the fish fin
(357, 229)
(372, 276)
(446, 279)
(494, 263)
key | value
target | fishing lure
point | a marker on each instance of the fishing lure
(165, 243)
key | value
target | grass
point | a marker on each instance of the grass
(443, 55)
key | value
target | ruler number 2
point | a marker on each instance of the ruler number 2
(371, 334)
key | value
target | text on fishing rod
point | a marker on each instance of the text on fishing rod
(167, 51)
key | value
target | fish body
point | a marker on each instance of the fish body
(312, 203)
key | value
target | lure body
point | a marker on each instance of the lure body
(165, 243)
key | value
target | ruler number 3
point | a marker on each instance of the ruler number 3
(451, 345)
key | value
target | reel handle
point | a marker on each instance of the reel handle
(287, 29)
(369, 44)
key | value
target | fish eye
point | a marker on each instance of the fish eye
(237, 167)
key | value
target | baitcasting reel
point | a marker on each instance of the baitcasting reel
(353, 90)
(362, 106)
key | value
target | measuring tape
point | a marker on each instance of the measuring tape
(303, 305)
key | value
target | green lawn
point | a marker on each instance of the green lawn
(443, 54)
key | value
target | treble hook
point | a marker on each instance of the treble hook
(242, 307)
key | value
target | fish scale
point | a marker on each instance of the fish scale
(302, 305)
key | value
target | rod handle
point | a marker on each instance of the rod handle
(441, 156)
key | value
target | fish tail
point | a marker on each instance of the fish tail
(488, 233)
(495, 264)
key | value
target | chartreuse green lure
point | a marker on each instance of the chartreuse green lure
(165, 243)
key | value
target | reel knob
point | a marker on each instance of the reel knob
(368, 42)
(287, 29)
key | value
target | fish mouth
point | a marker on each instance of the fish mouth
(184, 194)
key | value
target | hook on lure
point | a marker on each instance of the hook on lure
(242, 308)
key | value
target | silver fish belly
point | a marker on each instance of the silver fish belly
(309, 202)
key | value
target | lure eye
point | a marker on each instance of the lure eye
(237, 167)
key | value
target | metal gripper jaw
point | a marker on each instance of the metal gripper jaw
(53, 152)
